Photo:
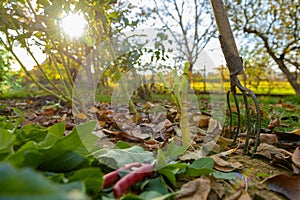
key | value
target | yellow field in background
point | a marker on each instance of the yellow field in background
(264, 87)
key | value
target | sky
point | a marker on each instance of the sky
(211, 57)
(27, 59)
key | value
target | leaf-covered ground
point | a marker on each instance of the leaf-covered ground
(210, 168)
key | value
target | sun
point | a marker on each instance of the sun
(73, 24)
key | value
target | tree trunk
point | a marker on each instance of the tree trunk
(289, 76)
(283, 68)
(279, 61)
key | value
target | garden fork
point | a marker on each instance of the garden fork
(235, 66)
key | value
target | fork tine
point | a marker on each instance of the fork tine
(258, 116)
(244, 92)
(248, 123)
(230, 111)
(238, 117)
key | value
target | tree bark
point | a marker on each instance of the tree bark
(288, 74)
(279, 60)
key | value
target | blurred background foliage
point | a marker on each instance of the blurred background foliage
(268, 33)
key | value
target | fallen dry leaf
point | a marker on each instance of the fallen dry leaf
(130, 137)
(217, 189)
(296, 157)
(240, 195)
(211, 146)
(289, 186)
(288, 136)
(81, 116)
(21, 104)
(192, 155)
(296, 131)
(275, 122)
(284, 105)
(225, 166)
(224, 142)
(136, 132)
(296, 170)
(215, 127)
(228, 152)
(153, 144)
(110, 132)
(162, 125)
(93, 109)
(203, 121)
(268, 151)
(234, 109)
(268, 138)
(64, 117)
(149, 105)
(280, 161)
(124, 135)
(196, 189)
(102, 123)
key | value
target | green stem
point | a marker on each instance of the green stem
(184, 118)
(36, 81)
(61, 77)
(169, 91)
(59, 92)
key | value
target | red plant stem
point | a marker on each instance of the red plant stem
(122, 185)
(113, 176)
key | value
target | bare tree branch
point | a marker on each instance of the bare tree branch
(190, 41)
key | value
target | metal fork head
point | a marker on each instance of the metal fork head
(235, 84)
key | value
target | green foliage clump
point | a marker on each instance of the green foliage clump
(4, 66)
(45, 163)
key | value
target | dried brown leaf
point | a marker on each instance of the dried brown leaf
(32, 116)
(153, 144)
(81, 116)
(268, 151)
(136, 132)
(289, 186)
(149, 105)
(131, 137)
(106, 131)
(245, 196)
(93, 109)
(64, 117)
(224, 142)
(216, 188)
(280, 161)
(296, 157)
(203, 121)
(102, 123)
(192, 155)
(228, 152)
(296, 170)
(274, 123)
(21, 104)
(225, 166)
(240, 195)
(296, 131)
(215, 127)
(196, 189)
(268, 138)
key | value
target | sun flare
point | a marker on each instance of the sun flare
(73, 25)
